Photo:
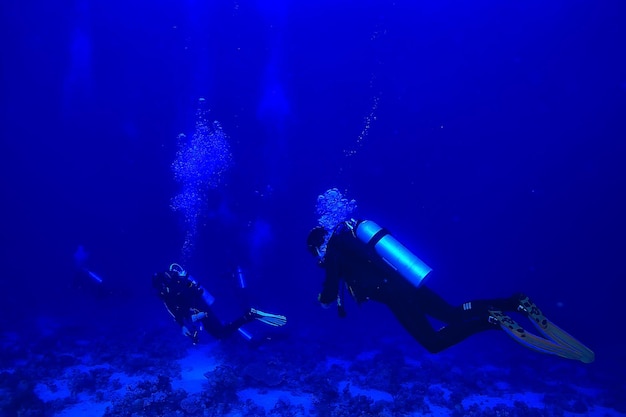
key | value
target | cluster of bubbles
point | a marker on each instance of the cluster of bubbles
(333, 208)
(200, 163)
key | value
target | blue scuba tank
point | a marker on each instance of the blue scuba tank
(392, 252)
(206, 295)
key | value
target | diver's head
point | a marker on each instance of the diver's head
(316, 241)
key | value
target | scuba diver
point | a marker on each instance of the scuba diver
(373, 265)
(190, 305)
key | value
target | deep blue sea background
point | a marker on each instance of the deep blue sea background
(489, 137)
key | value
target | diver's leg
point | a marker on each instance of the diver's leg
(234, 325)
(415, 321)
(218, 330)
(214, 326)
(480, 308)
(434, 305)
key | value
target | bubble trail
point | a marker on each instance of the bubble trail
(199, 166)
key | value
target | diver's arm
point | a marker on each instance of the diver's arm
(178, 318)
(340, 240)
(330, 288)
(329, 292)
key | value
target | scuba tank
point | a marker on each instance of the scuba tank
(396, 255)
(206, 296)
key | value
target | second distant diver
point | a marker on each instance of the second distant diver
(367, 260)
(190, 305)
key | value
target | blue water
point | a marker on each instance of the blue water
(489, 137)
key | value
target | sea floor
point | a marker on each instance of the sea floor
(151, 375)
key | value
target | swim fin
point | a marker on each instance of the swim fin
(275, 320)
(554, 332)
(529, 340)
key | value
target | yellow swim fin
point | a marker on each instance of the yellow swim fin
(554, 332)
(533, 342)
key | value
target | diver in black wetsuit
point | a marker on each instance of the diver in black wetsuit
(190, 306)
(375, 266)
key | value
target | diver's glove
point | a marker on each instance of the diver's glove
(275, 320)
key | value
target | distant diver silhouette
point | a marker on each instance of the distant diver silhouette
(189, 303)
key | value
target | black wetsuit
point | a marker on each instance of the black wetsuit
(368, 277)
(183, 298)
